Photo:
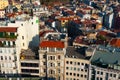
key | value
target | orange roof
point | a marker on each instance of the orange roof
(52, 44)
(115, 42)
(8, 29)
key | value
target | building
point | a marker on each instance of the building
(22, 35)
(2, 13)
(76, 65)
(104, 68)
(51, 56)
(3, 4)
(29, 63)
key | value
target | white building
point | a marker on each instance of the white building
(22, 35)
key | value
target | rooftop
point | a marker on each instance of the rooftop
(8, 29)
(71, 52)
(106, 55)
(115, 42)
(28, 54)
(52, 44)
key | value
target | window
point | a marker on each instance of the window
(58, 70)
(98, 72)
(44, 70)
(78, 63)
(66, 73)
(30, 70)
(44, 63)
(44, 48)
(67, 67)
(74, 69)
(58, 64)
(5, 57)
(21, 24)
(32, 23)
(67, 62)
(70, 73)
(85, 76)
(81, 75)
(82, 63)
(74, 74)
(59, 49)
(51, 58)
(81, 69)
(74, 63)
(23, 44)
(101, 79)
(29, 64)
(78, 69)
(59, 56)
(1, 57)
(77, 75)
(101, 73)
(13, 42)
(52, 49)
(51, 72)
(23, 37)
(70, 62)
(9, 58)
(111, 75)
(52, 64)
(114, 75)
(44, 56)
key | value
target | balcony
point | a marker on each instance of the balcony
(8, 36)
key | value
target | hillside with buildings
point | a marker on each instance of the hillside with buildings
(59, 40)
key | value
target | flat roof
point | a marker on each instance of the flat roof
(71, 52)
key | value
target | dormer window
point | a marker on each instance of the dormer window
(44, 48)
(52, 49)
(59, 49)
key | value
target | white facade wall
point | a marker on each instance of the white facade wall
(26, 31)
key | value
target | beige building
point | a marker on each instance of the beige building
(51, 55)
(3, 4)
(60, 63)
(2, 13)
(76, 65)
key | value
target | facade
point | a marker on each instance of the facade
(2, 13)
(8, 50)
(99, 73)
(13, 40)
(29, 63)
(76, 66)
(51, 56)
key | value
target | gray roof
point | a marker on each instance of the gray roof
(72, 53)
(106, 55)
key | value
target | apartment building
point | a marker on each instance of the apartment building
(2, 13)
(98, 73)
(29, 63)
(76, 65)
(105, 63)
(3, 4)
(14, 37)
(51, 56)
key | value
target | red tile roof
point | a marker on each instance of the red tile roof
(41, 34)
(52, 44)
(8, 29)
(115, 42)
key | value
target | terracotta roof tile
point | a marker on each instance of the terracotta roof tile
(115, 42)
(8, 29)
(52, 44)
